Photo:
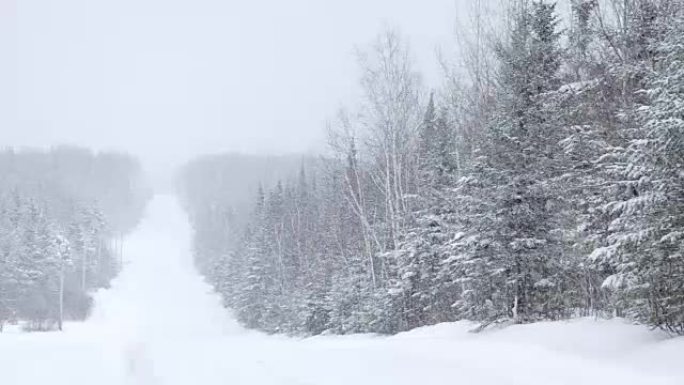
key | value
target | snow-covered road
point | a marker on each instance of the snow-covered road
(160, 324)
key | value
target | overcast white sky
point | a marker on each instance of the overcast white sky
(168, 79)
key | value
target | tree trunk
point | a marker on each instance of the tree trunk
(61, 295)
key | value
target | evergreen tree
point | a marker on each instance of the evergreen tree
(519, 249)
(644, 246)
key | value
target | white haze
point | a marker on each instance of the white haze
(170, 79)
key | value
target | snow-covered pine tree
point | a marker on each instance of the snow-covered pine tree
(515, 245)
(9, 249)
(418, 295)
(38, 270)
(622, 212)
(645, 244)
(249, 298)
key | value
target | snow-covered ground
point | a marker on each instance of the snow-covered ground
(160, 324)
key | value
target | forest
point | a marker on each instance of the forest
(63, 215)
(542, 181)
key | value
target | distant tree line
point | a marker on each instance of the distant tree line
(543, 181)
(62, 214)
(218, 191)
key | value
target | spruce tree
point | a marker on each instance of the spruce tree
(516, 245)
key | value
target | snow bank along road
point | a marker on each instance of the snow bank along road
(160, 324)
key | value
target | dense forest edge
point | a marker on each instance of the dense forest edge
(63, 215)
(543, 181)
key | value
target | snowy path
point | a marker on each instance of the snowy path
(160, 325)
